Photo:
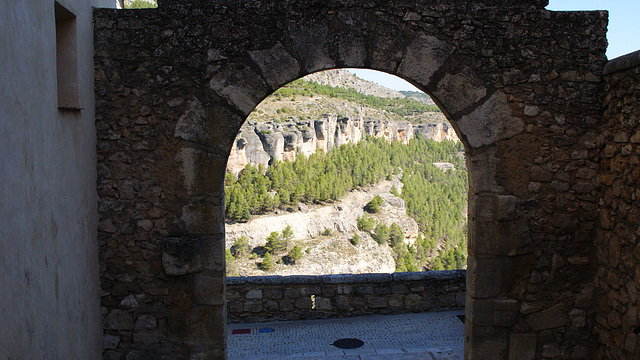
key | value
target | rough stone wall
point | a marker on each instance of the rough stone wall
(282, 298)
(618, 244)
(519, 84)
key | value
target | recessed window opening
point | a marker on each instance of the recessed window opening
(333, 174)
(66, 59)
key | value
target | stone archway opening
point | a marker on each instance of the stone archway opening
(291, 134)
(518, 83)
(282, 147)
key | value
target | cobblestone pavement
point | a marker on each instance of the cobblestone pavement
(430, 336)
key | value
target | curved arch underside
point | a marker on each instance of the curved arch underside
(518, 83)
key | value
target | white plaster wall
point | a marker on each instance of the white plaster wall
(49, 278)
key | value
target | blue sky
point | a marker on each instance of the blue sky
(623, 34)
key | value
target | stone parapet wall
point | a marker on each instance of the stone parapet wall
(617, 319)
(269, 298)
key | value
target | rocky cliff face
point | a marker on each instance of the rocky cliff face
(439, 131)
(262, 143)
(328, 254)
(345, 79)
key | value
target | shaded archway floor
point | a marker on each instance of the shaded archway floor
(432, 335)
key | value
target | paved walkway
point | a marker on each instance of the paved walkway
(430, 336)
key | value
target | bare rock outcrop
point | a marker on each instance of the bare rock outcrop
(438, 131)
(265, 142)
(345, 79)
(329, 254)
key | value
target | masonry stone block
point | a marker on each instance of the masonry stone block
(488, 342)
(208, 287)
(254, 294)
(505, 238)
(253, 306)
(387, 54)
(423, 58)
(293, 292)
(145, 337)
(323, 303)
(396, 300)
(193, 124)
(118, 320)
(342, 302)
(351, 45)
(376, 302)
(277, 65)
(482, 173)
(199, 217)
(485, 276)
(110, 342)
(550, 318)
(198, 169)
(412, 300)
(182, 255)
(203, 323)
(271, 306)
(240, 85)
(146, 321)
(490, 122)
(112, 355)
(311, 44)
(460, 91)
(522, 346)
(304, 303)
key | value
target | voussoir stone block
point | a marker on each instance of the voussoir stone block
(240, 86)
(424, 57)
(490, 122)
(277, 65)
(460, 91)
(311, 43)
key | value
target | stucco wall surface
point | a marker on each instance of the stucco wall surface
(49, 292)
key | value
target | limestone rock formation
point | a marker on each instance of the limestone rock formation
(345, 79)
(329, 254)
(438, 131)
(262, 143)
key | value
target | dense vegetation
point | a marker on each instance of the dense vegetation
(141, 4)
(399, 106)
(433, 197)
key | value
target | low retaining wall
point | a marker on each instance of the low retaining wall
(269, 298)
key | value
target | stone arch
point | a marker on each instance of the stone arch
(202, 67)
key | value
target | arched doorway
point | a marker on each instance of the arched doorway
(174, 85)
